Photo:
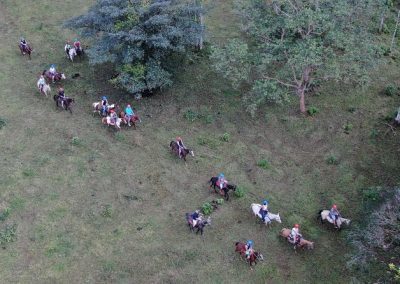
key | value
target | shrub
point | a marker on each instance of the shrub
(4, 214)
(225, 137)
(395, 270)
(220, 201)
(207, 208)
(264, 164)
(190, 115)
(351, 109)
(8, 234)
(2, 123)
(312, 110)
(75, 141)
(107, 212)
(391, 90)
(347, 128)
(239, 192)
(374, 133)
(332, 160)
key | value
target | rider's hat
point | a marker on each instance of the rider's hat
(334, 206)
(178, 138)
(250, 242)
(221, 175)
(265, 202)
(111, 110)
(52, 65)
(128, 105)
(104, 97)
(296, 225)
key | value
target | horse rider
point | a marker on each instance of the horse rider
(23, 43)
(129, 113)
(77, 45)
(181, 146)
(113, 116)
(264, 210)
(334, 214)
(104, 105)
(67, 47)
(195, 217)
(61, 95)
(41, 82)
(52, 71)
(249, 248)
(295, 235)
(221, 181)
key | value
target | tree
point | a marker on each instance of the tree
(138, 36)
(294, 45)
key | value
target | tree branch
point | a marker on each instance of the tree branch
(280, 82)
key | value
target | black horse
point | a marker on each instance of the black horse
(64, 102)
(175, 148)
(201, 223)
(224, 191)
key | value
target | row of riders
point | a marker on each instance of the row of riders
(195, 219)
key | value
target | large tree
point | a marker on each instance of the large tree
(138, 36)
(292, 45)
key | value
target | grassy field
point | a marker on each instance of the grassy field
(93, 205)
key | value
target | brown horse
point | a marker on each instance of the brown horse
(225, 190)
(184, 152)
(201, 223)
(64, 103)
(25, 50)
(57, 77)
(129, 120)
(302, 244)
(241, 249)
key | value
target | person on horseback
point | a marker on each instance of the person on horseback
(23, 43)
(181, 146)
(334, 214)
(61, 95)
(77, 44)
(129, 113)
(222, 182)
(113, 116)
(295, 235)
(41, 82)
(104, 105)
(195, 217)
(249, 248)
(264, 210)
(67, 47)
(52, 71)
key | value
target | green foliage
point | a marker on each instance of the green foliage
(347, 127)
(391, 90)
(332, 160)
(395, 271)
(120, 137)
(60, 247)
(139, 38)
(374, 133)
(312, 110)
(372, 194)
(8, 234)
(4, 214)
(351, 109)
(107, 211)
(239, 192)
(190, 115)
(264, 164)
(76, 141)
(207, 208)
(225, 137)
(220, 201)
(3, 123)
(28, 172)
(207, 141)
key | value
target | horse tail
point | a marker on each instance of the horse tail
(319, 214)
(237, 243)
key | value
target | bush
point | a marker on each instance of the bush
(9, 234)
(312, 110)
(239, 192)
(264, 164)
(391, 90)
(395, 270)
(191, 115)
(220, 201)
(75, 141)
(332, 160)
(351, 109)
(107, 212)
(207, 208)
(225, 137)
(374, 133)
(347, 128)
(2, 123)
(4, 214)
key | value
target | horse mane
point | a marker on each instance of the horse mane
(44, 72)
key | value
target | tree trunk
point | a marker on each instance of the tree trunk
(301, 94)
(395, 31)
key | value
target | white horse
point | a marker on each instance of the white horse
(97, 107)
(72, 53)
(324, 215)
(107, 120)
(45, 89)
(269, 218)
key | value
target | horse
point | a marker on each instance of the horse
(72, 53)
(241, 249)
(184, 152)
(57, 77)
(201, 223)
(132, 119)
(64, 103)
(25, 50)
(44, 89)
(303, 242)
(324, 215)
(97, 108)
(269, 218)
(225, 190)
(107, 120)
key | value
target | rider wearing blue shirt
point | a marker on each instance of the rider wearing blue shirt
(264, 210)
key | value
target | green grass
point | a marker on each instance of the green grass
(65, 177)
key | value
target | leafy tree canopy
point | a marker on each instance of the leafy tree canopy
(138, 36)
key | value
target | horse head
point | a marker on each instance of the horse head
(63, 76)
(207, 221)
(191, 153)
(259, 256)
(278, 218)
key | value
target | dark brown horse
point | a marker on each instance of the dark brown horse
(224, 191)
(184, 152)
(64, 103)
(241, 249)
(25, 50)
(201, 223)
(129, 120)
(57, 77)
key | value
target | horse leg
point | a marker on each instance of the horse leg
(226, 195)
